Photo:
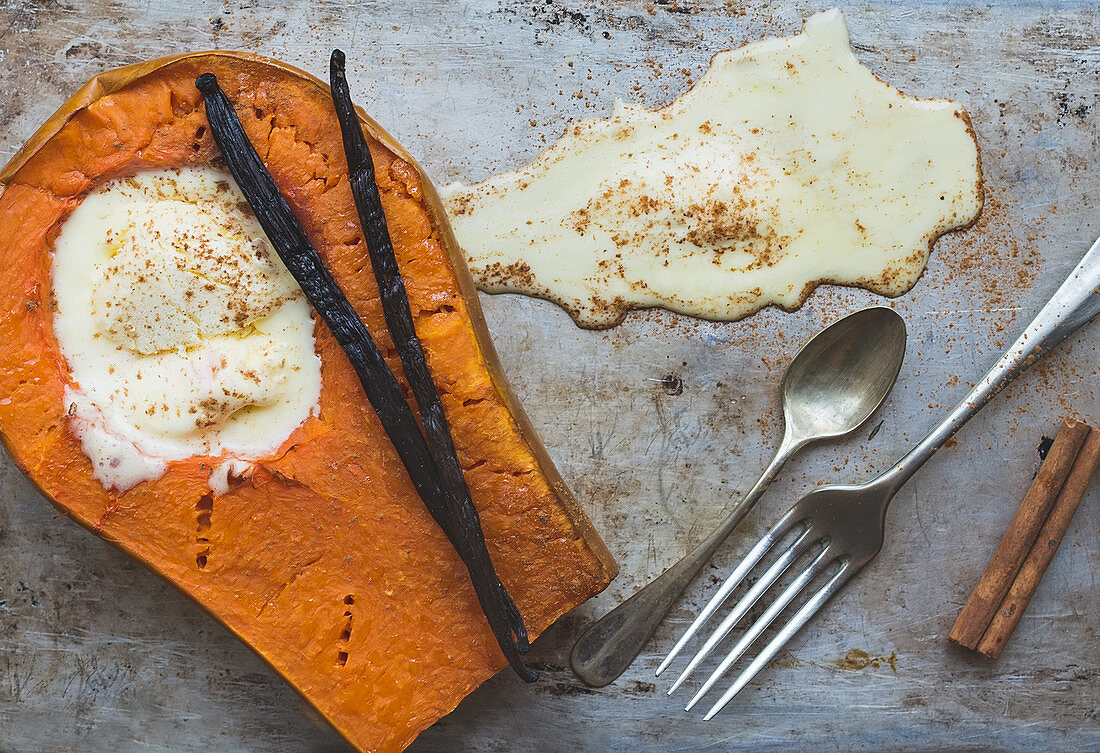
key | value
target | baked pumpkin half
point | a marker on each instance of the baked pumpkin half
(320, 556)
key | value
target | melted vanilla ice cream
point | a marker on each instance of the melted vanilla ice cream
(184, 333)
(786, 165)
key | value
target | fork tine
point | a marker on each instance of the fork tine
(819, 562)
(780, 529)
(800, 618)
(769, 577)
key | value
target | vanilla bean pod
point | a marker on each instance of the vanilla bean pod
(399, 321)
(433, 468)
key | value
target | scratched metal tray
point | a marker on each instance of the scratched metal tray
(656, 424)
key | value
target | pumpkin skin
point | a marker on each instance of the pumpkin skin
(324, 561)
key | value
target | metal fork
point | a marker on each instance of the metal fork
(839, 529)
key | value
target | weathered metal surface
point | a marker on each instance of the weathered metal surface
(655, 424)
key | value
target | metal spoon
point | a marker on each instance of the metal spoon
(833, 385)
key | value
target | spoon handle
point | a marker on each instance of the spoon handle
(1074, 303)
(609, 645)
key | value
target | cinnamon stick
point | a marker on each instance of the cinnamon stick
(1042, 551)
(1021, 534)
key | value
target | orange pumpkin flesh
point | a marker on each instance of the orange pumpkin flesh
(325, 561)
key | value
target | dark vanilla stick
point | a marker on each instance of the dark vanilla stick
(450, 507)
(503, 615)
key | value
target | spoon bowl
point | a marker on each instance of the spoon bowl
(831, 387)
(839, 378)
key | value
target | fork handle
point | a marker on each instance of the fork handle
(609, 645)
(1076, 302)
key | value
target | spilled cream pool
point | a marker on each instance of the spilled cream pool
(787, 165)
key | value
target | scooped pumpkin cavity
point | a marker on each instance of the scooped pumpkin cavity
(184, 333)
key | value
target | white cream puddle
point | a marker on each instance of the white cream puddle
(788, 164)
(184, 333)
